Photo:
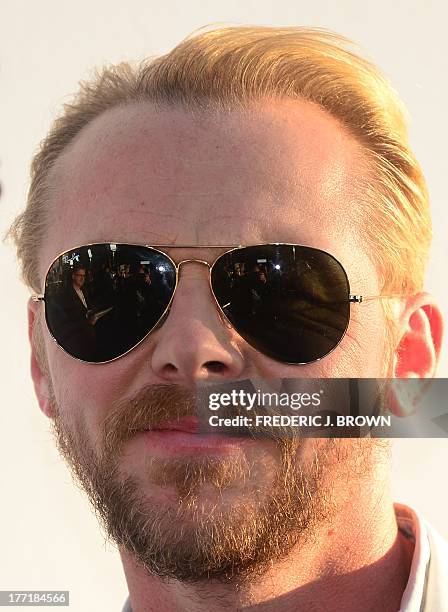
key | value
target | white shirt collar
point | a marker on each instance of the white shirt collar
(413, 527)
(80, 295)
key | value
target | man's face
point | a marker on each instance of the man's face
(279, 172)
(79, 278)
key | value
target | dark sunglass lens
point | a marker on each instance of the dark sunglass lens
(289, 302)
(101, 300)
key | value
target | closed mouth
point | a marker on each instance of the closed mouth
(187, 424)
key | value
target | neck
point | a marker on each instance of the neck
(359, 555)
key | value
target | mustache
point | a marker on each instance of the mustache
(147, 409)
(155, 404)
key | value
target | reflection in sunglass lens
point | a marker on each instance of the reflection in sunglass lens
(289, 302)
(101, 300)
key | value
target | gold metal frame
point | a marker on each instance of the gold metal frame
(353, 298)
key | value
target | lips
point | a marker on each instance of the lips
(187, 424)
(177, 437)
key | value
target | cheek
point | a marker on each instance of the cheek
(85, 392)
(362, 351)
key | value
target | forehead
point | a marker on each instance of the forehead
(278, 171)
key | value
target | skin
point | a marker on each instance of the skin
(277, 172)
(79, 279)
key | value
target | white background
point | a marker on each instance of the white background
(49, 537)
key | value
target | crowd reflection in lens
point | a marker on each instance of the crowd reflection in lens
(103, 299)
(287, 300)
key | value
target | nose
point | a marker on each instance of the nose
(194, 343)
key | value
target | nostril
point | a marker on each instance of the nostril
(214, 366)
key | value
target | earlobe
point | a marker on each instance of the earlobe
(39, 371)
(419, 343)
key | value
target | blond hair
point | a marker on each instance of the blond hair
(226, 68)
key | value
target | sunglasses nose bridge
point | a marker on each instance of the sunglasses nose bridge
(200, 261)
(209, 266)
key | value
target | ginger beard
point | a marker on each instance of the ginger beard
(223, 519)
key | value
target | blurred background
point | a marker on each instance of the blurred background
(50, 538)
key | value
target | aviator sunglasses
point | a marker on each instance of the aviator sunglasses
(288, 301)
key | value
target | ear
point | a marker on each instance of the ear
(41, 378)
(419, 342)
